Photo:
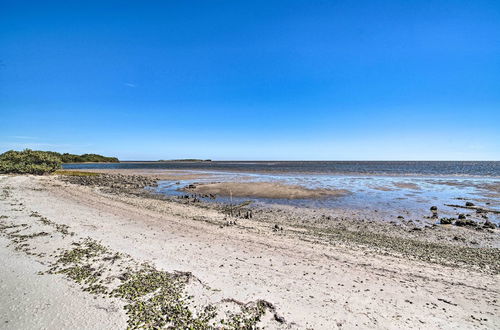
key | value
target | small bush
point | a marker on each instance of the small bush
(29, 162)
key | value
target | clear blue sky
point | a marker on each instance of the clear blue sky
(329, 80)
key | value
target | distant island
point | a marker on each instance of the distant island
(85, 158)
(185, 160)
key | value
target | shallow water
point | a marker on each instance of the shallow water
(388, 188)
(391, 196)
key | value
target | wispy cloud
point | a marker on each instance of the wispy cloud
(41, 146)
(23, 137)
(130, 85)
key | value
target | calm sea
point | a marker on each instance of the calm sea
(428, 168)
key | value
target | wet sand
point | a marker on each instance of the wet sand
(314, 268)
(262, 190)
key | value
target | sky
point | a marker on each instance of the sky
(252, 80)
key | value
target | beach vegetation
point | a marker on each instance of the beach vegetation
(153, 299)
(29, 162)
(43, 162)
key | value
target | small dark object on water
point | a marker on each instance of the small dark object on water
(461, 216)
(400, 217)
(469, 204)
(434, 208)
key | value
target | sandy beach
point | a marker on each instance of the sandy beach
(72, 247)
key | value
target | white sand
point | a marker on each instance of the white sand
(31, 301)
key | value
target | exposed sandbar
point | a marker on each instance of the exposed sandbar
(264, 190)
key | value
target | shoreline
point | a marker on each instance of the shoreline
(296, 260)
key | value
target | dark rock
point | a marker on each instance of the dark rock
(400, 217)
(446, 221)
(469, 204)
(489, 224)
(461, 216)
(434, 208)
(465, 222)
(279, 319)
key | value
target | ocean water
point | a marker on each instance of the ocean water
(435, 168)
(388, 188)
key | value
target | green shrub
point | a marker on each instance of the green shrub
(29, 162)
(42, 162)
(70, 158)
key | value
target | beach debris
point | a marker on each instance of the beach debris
(446, 221)
(238, 210)
(277, 227)
(447, 302)
(279, 318)
(461, 222)
(489, 224)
